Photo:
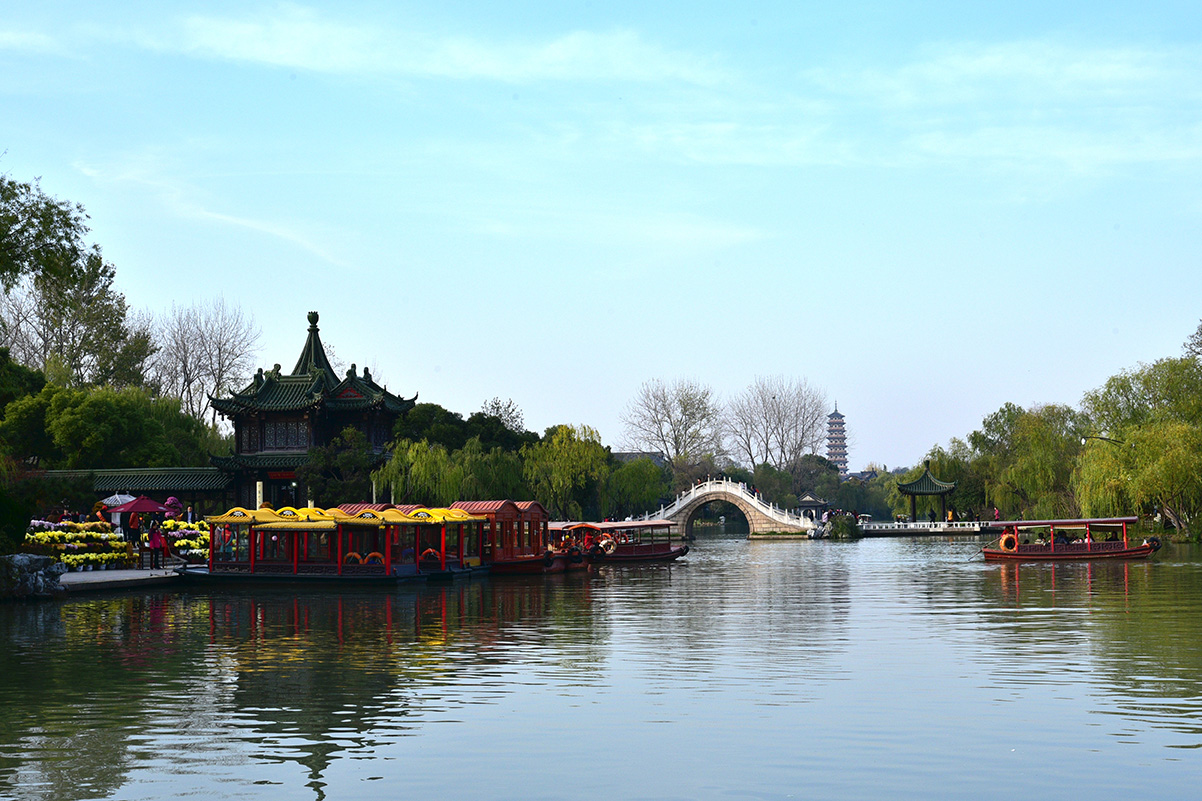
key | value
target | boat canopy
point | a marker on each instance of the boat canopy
(1072, 522)
(611, 525)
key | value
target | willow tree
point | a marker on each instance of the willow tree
(1156, 468)
(1023, 459)
(418, 472)
(489, 474)
(561, 466)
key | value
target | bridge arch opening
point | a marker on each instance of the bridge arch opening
(717, 518)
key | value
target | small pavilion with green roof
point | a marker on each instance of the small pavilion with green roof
(926, 484)
(277, 418)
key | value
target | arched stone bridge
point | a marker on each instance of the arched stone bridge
(762, 517)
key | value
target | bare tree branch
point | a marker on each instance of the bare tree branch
(681, 420)
(776, 421)
(204, 350)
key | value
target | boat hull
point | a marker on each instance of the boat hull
(639, 554)
(238, 577)
(531, 565)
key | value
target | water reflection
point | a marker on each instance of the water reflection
(755, 664)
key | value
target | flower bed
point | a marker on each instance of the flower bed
(80, 546)
(189, 540)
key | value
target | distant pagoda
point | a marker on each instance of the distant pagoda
(836, 441)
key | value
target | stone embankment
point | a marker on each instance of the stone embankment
(24, 575)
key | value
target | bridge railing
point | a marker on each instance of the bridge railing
(735, 488)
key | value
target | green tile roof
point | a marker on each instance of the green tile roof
(926, 484)
(151, 479)
(261, 461)
(313, 384)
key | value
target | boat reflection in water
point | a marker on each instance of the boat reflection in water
(320, 675)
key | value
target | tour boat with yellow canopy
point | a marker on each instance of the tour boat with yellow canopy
(1084, 539)
(368, 545)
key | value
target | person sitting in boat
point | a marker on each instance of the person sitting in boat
(1061, 538)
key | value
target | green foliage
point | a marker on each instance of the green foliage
(1022, 461)
(104, 428)
(340, 472)
(1169, 389)
(15, 511)
(75, 321)
(870, 497)
(39, 235)
(563, 467)
(635, 487)
(816, 474)
(844, 527)
(489, 474)
(439, 426)
(1157, 467)
(775, 486)
(17, 381)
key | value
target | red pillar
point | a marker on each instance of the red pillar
(442, 550)
(212, 536)
(340, 552)
(388, 550)
(253, 545)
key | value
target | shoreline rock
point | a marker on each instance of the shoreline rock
(24, 576)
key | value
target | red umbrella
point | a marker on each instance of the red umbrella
(139, 504)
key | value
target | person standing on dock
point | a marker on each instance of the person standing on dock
(156, 546)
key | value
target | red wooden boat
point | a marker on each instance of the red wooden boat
(371, 545)
(515, 538)
(1068, 541)
(625, 540)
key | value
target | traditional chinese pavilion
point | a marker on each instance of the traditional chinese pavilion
(277, 418)
(926, 484)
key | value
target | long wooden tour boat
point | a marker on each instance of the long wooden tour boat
(373, 545)
(623, 540)
(1084, 539)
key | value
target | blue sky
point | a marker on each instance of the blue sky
(926, 209)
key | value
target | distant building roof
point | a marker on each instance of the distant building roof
(629, 456)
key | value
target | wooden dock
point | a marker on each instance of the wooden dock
(86, 581)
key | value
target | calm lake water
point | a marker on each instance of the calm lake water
(877, 669)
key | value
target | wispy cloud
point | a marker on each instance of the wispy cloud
(29, 42)
(147, 170)
(300, 38)
(1030, 103)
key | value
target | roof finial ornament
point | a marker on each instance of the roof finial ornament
(313, 321)
(351, 372)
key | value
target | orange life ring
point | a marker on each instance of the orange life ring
(352, 555)
(379, 557)
(430, 553)
(622, 539)
(1008, 543)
